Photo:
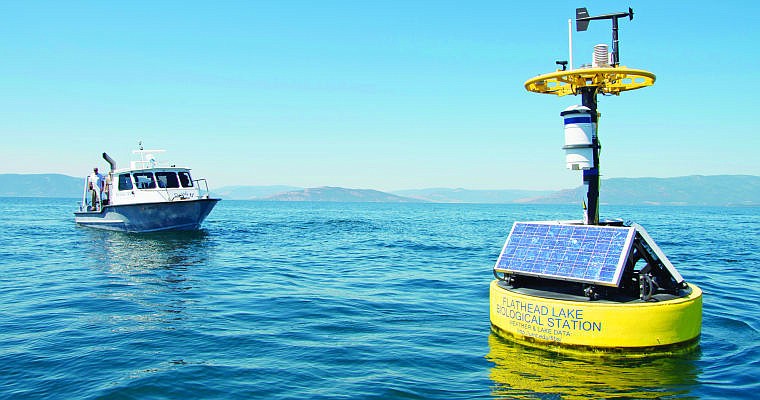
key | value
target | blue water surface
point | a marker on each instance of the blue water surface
(338, 301)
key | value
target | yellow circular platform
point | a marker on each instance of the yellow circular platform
(605, 326)
(608, 80)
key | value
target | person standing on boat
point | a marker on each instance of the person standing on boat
(96, 186)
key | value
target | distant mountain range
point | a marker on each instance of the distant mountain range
(715, 190)
(696, 190)
(445, 195)
(337, 194)
(41, 185)
(252, 192)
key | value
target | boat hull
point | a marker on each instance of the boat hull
(149, 217)
(605, 326)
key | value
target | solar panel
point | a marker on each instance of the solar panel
(581, 253)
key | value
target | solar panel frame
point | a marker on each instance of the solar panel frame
(580, 253)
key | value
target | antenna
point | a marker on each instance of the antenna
(570, 41)
(581, 24)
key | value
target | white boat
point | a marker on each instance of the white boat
(148, 196)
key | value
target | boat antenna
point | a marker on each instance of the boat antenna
(140, 144)
(581, 24)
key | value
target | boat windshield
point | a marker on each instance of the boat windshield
(144, 180)
(167, 180)
(185, 179)
(125, 182)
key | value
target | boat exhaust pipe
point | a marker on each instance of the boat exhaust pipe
(110, 161)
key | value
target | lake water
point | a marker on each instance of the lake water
(338, 301)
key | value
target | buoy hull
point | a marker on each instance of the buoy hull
(635, 326)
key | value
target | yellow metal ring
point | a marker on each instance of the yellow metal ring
(610, 80)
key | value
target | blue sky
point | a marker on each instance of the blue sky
(384, 95)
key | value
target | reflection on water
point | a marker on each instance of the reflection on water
(525, 372)
(122, 252)
(149, 278)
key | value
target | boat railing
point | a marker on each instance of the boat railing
(147, 159)
(86, 204)
(83, 204)
(203, 191)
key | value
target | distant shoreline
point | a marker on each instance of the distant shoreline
(696, 190)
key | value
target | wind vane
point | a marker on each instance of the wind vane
(605, 76)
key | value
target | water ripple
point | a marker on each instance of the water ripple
(335, 301)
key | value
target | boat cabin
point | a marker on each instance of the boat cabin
(152, 185)
(146, 181)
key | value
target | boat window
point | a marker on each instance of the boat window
(144, 180)
(125, 182)
(185, 179)
(167, 180)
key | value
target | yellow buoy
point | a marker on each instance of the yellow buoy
(633, 301)
(606, 326)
